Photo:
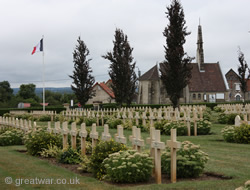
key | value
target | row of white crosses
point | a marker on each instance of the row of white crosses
(24, 125)
(136, 140)
(238, 109)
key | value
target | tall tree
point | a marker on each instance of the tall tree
(5, 91)
(122, 68)
(83, 81)
(243, 76)
(27, 91)
(176, 68)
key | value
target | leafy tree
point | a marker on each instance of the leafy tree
(53, 98)
(27, 91)
(242, 69)
(5, 91)
(122, 68)
(176, 68)
(83, 81)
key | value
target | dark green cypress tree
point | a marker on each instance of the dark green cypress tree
(83, 81)
(176, 68)
(122, 68)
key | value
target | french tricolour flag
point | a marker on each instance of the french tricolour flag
(38, 47)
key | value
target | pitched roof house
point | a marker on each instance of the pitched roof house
(103, 93)
(234, 91)
(206, 85)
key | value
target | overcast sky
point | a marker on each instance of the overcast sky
(225, 26)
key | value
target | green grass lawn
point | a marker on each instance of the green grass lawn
(228, 159)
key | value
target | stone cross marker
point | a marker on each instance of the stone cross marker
(158, 146)
(150, 139)
(131, 137)
(151, 117)
(73, 134)
(83, 134)
(106, 135)
(65, 132)
(173, 144)
(137, 117)
(144, 117)
(57, 128)
(137, 141)
(237, 121)
(94, 136)
(49, 127)
(120, 137)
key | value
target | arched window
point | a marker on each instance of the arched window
(199, 96)
(237, 98)
(194, 96)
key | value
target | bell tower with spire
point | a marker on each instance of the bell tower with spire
(200, 52)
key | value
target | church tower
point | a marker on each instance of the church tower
(200, 52)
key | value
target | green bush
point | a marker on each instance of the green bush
(166, 126)
(227, 118)
(203, 127)
(85, 165)
(242, 134)
(45, 118)
(113, 122)
(90, 121)
(100, 152)
(69, 156)
(51, 152)
(11, 137)
(228, 133)
(37, 141)
(217, 109)
(128, 166)
(190, 161)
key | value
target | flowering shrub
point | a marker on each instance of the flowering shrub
(190, 160)
(203, 127)
(127, 125)
(36, 141)
(242, 134)
(113, 122)
(100, 152)
(51, 152)
(166, 126)
(69, 156)
(11, 137)
(128, 166)
(228, 133)
(245, 187)
(235, 134)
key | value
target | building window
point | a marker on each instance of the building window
(194, 96)
(237, 86)
(199, 96)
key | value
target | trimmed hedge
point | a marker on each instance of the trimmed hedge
(52, 108)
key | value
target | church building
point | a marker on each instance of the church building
(206, 85)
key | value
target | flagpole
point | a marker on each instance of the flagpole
(43, 80)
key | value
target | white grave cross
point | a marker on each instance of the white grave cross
(173, 144)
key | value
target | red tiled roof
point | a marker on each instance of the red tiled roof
(211, 80)
(46, 104)
(107, 89)
(26, 105)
